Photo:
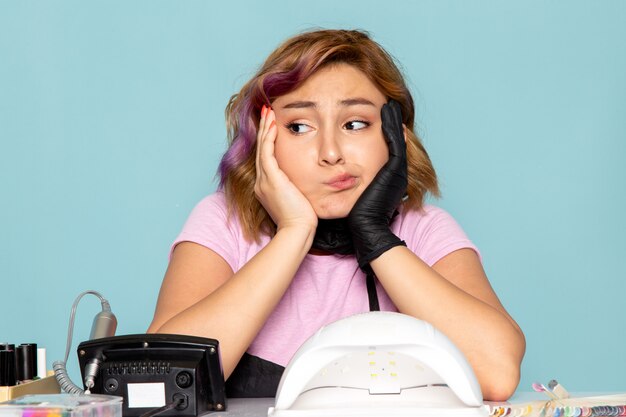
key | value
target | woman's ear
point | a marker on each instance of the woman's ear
(404, 131)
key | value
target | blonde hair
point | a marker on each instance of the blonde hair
(291, 64)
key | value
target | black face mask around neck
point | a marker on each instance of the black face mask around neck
(333, 235)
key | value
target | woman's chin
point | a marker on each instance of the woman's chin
(335, 206)
(333, 212)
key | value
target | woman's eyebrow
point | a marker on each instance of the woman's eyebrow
(356, 101)
(299, 105)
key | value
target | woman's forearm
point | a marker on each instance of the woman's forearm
(492, 342)
(236, 311)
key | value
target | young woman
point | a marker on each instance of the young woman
(319, 215)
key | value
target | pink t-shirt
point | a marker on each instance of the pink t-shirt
(325, 288)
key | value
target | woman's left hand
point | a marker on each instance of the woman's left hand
(370, 217)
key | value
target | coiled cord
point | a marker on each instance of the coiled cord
(63, 379)
(59, 367)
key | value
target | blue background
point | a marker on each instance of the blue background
(111, 127)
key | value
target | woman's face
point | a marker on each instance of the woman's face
(329, 142)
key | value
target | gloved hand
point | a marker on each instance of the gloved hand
(371, 215)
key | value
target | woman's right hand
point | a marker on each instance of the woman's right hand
(201, 293)
(279, 196)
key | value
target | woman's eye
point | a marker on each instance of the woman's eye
(356, 125)
(299, 128)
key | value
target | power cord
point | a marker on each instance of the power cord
(173, 404)
(104, 325)
(167, 407)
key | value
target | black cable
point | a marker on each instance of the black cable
(372, 296)
(163, 409)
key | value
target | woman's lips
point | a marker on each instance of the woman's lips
(342, 182)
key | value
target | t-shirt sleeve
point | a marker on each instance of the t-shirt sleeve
(209, 225)
(435, 234)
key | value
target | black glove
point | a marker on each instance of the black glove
(371, 215)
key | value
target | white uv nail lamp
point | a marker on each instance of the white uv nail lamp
(378, 364)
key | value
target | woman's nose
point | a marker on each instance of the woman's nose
(330, 152)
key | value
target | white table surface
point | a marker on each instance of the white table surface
(246, 407)
(257, 407)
